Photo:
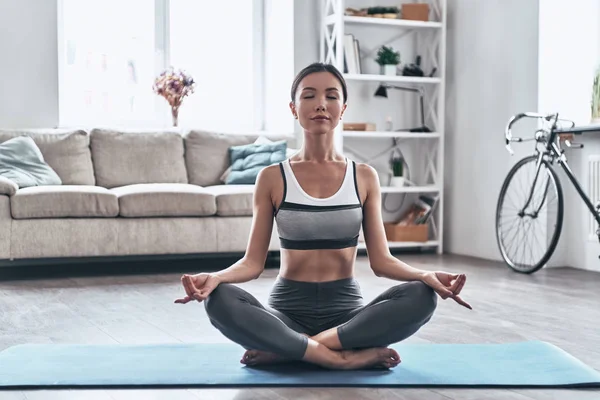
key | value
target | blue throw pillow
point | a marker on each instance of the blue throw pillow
(248, 160)
(22, 162)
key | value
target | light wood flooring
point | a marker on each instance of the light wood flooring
(561, 306)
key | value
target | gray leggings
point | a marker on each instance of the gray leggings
(297, 308)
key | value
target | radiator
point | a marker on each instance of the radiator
(593, 191)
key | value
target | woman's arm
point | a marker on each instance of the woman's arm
(253, 263)
(382, 262)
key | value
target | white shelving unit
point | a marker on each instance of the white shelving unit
(430, 43)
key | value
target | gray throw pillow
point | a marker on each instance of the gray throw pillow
(22, 162)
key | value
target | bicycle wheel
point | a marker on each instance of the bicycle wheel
(527, 233)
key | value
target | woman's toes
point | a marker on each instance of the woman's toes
(248, 356)
(393, 354)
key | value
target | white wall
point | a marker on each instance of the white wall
(28, 67)
(492, 70)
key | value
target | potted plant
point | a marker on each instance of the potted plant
(397, 171)
(383, 12)
(388, 59)
(596, 98)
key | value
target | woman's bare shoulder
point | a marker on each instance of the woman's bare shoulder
(269, 175)
(269, 183)
(367, 174)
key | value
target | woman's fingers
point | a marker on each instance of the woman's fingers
(186, 285)
(443, 291)
(191, 290)
(456, 282)
(463, 280)
(184, 300)
(462, 302)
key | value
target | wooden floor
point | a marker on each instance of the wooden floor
(561, 306)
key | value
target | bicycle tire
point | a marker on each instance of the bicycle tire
(559, 219)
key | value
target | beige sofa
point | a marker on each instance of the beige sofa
(128, 193)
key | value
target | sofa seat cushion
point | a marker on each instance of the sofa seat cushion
(233, 200)
(64, 201)
(164, 200)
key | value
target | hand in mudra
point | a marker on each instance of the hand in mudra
(198, 287)
(447, 285)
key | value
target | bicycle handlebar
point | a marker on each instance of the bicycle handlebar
(508, 134)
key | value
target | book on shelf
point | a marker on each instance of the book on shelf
(352, 61)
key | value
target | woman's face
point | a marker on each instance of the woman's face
(319, 103)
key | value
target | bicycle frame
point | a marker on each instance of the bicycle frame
(552, 148)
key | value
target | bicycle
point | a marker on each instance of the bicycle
(516, 215)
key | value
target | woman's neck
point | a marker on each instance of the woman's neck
(319, 148)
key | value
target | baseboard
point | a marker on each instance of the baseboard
(123, 265)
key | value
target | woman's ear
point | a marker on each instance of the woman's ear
(293, 108)
(343, 111)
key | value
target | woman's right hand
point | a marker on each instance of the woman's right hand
(198, 287)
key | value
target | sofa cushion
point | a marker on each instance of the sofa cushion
(233, 200)
(64, 201)
(124, 158)
(7, 187)
(22, 162)
(66, 151)
(164, 200)
(207, 153)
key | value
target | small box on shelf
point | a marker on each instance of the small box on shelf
(395, 232)
(415, 11)
(359, 126)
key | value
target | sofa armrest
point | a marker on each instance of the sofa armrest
(5, 227)
(7, 187)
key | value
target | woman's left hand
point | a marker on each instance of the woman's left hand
(447, 285)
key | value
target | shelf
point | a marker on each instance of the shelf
(403, 245)
(403, 23)
(391, 78)
(410, 189)
(385, 134)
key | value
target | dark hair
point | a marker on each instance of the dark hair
(319, 67)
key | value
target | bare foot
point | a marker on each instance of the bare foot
(378, 357)
(257, 357)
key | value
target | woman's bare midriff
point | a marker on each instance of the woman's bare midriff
(317, 265)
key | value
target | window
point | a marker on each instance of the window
(106, 61)
(216, 44)
(110, 52)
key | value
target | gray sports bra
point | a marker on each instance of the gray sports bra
(305, 222)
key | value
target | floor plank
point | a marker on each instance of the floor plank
(550, 305)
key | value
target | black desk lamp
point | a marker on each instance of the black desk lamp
(382, 92)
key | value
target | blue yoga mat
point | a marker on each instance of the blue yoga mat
(525, 364)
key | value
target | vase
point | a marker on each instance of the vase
(397, 181)
(175, 115)
(389, 69)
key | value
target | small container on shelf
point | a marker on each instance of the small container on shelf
(415, 11)
(395, 232)
(359, 126)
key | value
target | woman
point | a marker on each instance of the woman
(320, 200)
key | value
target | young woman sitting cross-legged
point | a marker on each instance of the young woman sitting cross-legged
(319, 200)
